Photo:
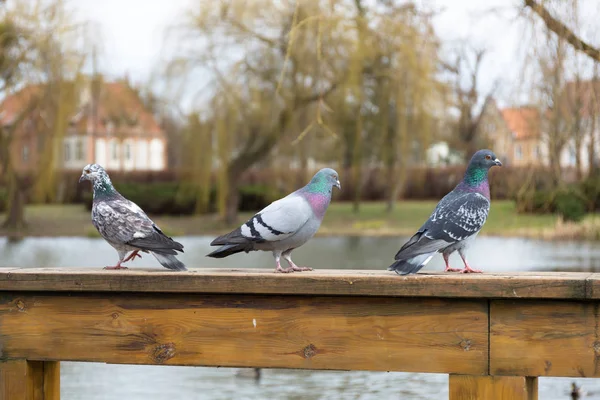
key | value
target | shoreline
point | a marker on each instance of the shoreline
(372, 221)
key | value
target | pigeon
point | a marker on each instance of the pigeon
(285, 224)
(455, 222)
(125, 226)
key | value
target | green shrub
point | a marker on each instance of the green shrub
(570, 204)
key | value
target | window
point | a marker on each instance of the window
(518, 152)
(127, 151)
(25, 153)
(79, 151)
(67, 152)
(114, 150)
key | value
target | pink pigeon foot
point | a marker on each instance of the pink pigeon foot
(467, 268)
(118, 266)
(283, 270)
(448, 269)
(294, 267)
(470, 270)
(132, 256)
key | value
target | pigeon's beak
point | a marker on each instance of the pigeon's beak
(497, 162)
(338, 184)
(82, 178)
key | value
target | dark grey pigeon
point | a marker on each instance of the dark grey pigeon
(455, 222)
(285, 224)
(125, 226)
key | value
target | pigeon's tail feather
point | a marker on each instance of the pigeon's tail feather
(411, 265)
(227, 250)
(233, 237)
(169, 261)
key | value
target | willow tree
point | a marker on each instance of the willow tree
(267, 67)
(39, 66)
(390, 97)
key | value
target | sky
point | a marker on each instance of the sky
(133, 36)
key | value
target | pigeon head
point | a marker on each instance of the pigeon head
(477, 171)
(98, 176)
(324, 181)
(484, 159)
(92, 172)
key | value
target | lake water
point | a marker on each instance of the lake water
(93, 381)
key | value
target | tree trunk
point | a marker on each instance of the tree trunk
(15, 218)
(233, 198)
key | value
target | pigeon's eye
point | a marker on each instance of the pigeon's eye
(488, 157)
(87, 171)
(334, 176)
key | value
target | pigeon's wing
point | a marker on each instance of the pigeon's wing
(278, 221)
(122, 221)
(456, 218)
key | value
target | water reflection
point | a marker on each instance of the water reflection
(492, 254)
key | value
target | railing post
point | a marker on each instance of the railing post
(469, 387)
(29, 380)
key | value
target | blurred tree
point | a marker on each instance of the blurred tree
(40, 66)
(466, 134)
(540, 8)
(357, 77)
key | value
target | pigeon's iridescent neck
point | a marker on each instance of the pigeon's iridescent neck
(476, 181)
(103, 187)
(318, 202)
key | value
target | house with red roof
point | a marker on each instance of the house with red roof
(109, 125)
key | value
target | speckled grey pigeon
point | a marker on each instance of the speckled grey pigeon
(125, 226)
(285, 224)
(455, 222)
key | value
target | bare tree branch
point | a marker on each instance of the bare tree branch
(562, 30)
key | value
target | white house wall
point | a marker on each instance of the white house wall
(157, 151)
(142, 153)
(101, 152)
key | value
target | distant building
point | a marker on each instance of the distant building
(440, 155)
(525, 126)
(110, 127)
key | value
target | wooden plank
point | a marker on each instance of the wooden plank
(544, 338)
(321, 282)
(51, 380)
(467, 387)
(29, 380)
(364, 333)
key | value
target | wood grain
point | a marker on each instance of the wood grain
(552, 285)
(29, 380)
(344, 333)
(544, 338)
(466, 387)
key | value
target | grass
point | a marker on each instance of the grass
(372, 219)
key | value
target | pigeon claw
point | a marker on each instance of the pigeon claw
(448, 269)
(116, 267)
(284, 271)
(468, 270)
(300, 269)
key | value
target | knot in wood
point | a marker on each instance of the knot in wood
(163, 352)
(465, 344)
(20, 305)
(115, 315)
(309, 351)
